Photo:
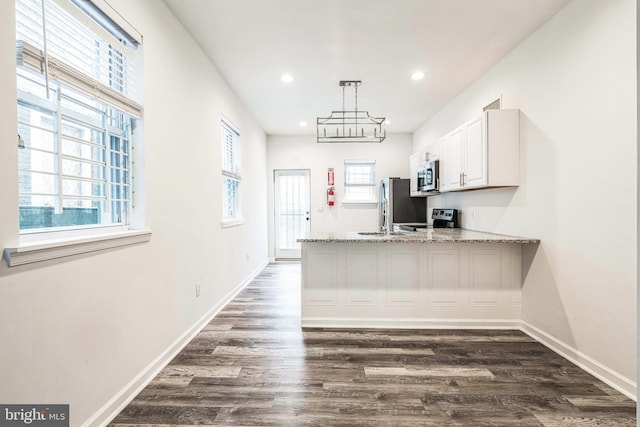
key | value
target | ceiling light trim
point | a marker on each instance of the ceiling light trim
(417, 75)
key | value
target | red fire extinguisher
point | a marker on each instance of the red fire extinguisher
(331, 196)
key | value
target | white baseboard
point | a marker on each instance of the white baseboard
(614, 379)
(409, 323)
(121, 399)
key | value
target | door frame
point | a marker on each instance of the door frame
(277, 253)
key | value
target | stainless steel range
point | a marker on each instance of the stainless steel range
(445, 218)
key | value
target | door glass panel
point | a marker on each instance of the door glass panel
(292, 206)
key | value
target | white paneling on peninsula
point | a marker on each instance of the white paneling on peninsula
(483, 152)
(438, 278)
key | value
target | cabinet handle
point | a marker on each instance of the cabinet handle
(463, 174)
(460, 179)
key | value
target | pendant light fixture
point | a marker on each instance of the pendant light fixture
(350, 125)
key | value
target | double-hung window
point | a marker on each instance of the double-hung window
(231, 209)
(77, 86)
(359, 181)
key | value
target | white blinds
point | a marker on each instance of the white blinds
(230, 173)
(359, 172)
(230, 151)
(96, 64)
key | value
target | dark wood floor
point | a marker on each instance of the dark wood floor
(253, 365)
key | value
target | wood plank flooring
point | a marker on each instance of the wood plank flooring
(254, 366)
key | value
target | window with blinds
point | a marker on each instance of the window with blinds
(230, 174)
(359, 181)
(77, 115)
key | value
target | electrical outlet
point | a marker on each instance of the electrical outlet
(473, 214)
(197, 289)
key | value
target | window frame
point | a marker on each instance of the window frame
(107, 101)
(371, 185)
(231, 172)
(37, 245)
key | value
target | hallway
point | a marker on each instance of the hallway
(253, 365)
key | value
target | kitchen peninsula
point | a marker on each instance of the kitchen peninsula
(433, 278)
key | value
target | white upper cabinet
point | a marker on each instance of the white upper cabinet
(484, 152)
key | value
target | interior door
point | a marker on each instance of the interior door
(292, 211)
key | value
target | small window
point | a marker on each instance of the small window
(231, 213)
(360, 181)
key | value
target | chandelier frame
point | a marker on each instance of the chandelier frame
(350, 125)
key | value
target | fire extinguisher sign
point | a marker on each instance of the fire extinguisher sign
(330, 176)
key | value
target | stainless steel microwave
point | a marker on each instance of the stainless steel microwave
(428, 176)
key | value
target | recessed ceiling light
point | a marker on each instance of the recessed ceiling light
(387, 122)
(417, 75)
(302, 124)
(286, 78)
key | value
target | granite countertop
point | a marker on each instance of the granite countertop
(437, 235)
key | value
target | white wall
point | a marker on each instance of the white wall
(80, 329)
(302, 152)
(574, 81)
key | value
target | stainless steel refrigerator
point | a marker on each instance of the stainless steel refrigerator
(396, 206)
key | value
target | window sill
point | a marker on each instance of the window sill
(232, 223)
(54, 249)
(360, 202)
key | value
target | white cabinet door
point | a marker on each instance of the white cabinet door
(455, 142)
(444, 156)
(475, 154)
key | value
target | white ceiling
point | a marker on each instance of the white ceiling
(381, 42)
